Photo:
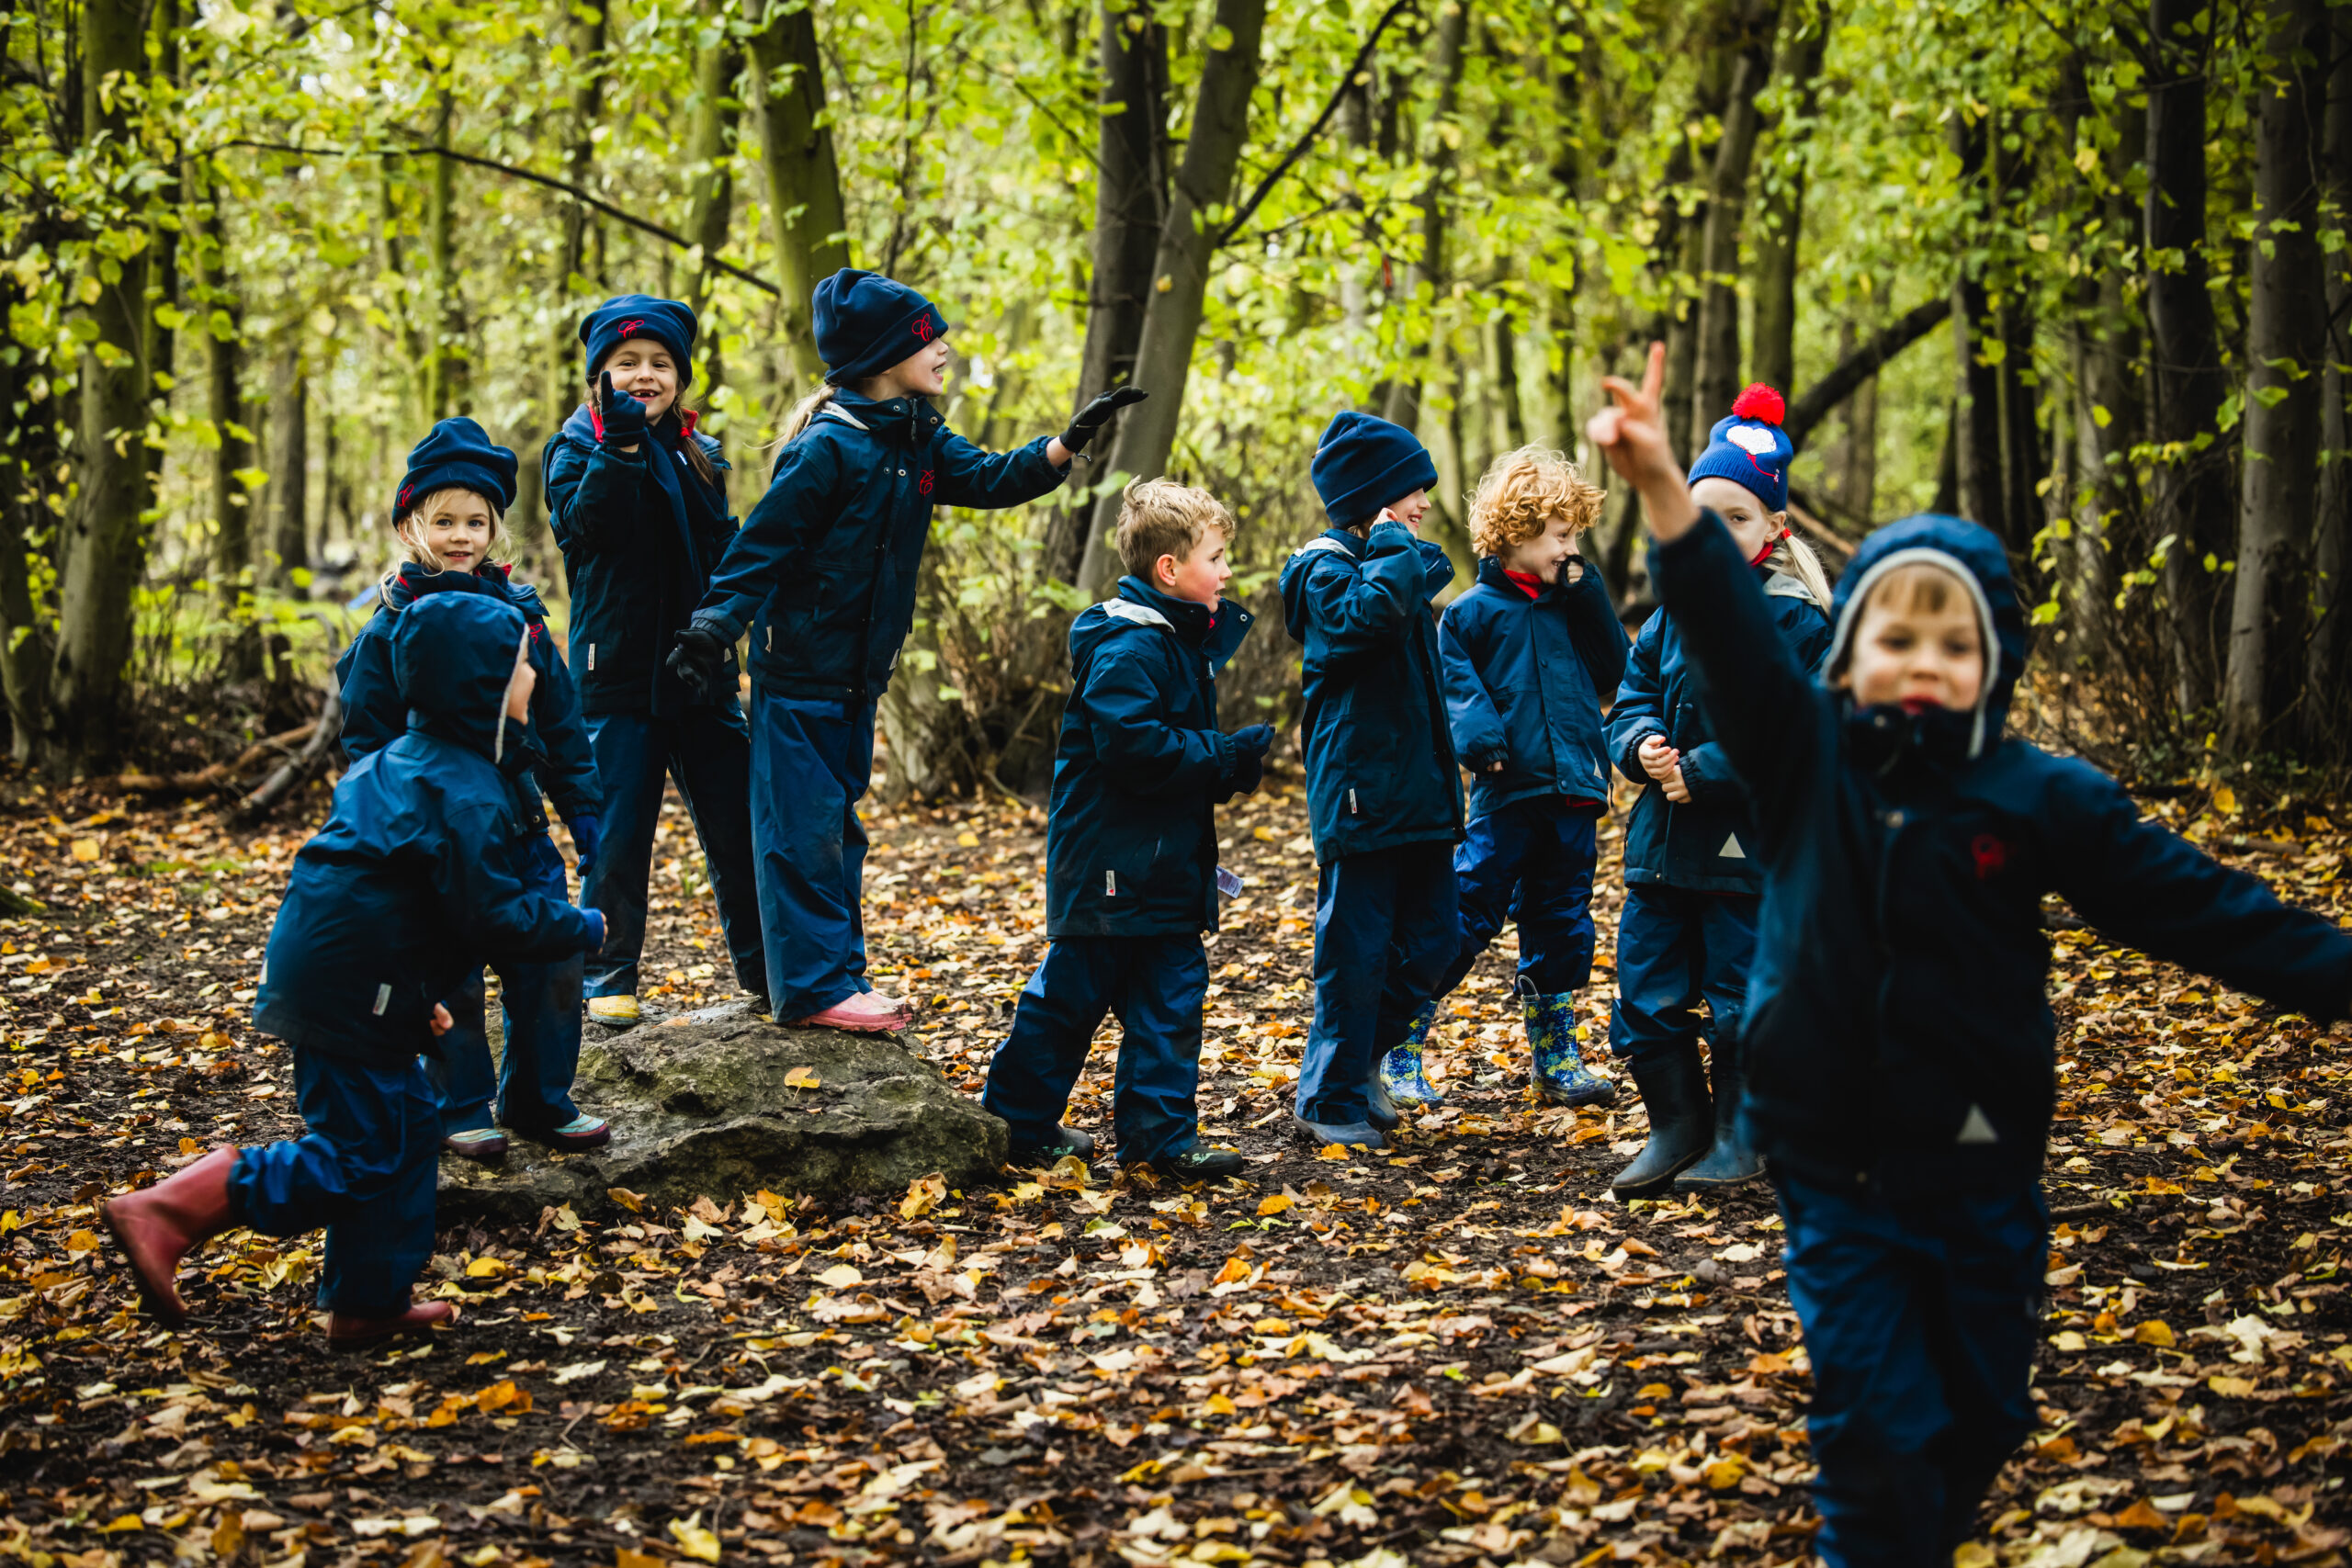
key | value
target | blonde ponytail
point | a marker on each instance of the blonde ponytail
(802, 412)
(1794, 557)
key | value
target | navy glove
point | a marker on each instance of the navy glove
(599, 917)
(1097, 413)
(587, 833)
(623, 415)
(1249, 749)
(698, 658)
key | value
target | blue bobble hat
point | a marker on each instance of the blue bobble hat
(627, 316)
(458, 453)
(867, 322)
(1363, 463)
(1751, 448)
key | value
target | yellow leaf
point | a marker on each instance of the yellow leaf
(840, 1277)
(485, 1268)
(2225, 800)
(81, 1241)
(633, 1201)
(1332, 1151)
(123, 1522)
(1068, 1175)
(802, 1077)
(86, 849)
(2156, 1331)
(1235, 1270)
(2231, 1388)
(1276, 1203)
(923, 1194)
(624, 1558)
(963, 841)
(693, 1540)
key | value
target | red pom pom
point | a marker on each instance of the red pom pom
(1759, 402)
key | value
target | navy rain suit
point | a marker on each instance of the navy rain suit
(822, 578)
(540, 1002)
(1383, 798)
(1688, 930)
(1130, 872)
(640, 532)
(415, 880)
(1523, 682)
(1899, 1040)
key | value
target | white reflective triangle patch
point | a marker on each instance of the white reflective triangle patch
(1977, 1129)
(1730, 850)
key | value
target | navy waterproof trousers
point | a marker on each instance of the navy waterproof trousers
(1531, 861)
(707, 750)
(1676, 947)
(365, 1171)
(1154, 985)
(810, 762)
(1922, 1316)
(540, 1006)
(1386, 925)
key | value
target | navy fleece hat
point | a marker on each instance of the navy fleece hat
(1751, 448)
(459, 452)
(866, 323)
(1363, 463)
(626, 316)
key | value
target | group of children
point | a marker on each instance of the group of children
(1836, 848)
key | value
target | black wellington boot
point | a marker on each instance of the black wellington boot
(1674, 1090)
(1730, 1162)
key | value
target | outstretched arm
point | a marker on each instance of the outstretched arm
(593, 495)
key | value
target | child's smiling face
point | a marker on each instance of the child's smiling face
(923, 373)
(646, 371)
(1543, 556)
(1916, 643)
(456, 527)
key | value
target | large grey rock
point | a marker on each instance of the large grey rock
(700, 1108)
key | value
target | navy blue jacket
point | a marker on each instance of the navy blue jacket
(1131, 828)
(639, 531)
(1523, 682)
(1380, 769)
(555, 743)
(412, 883)
(823, 573)
(1898, 1027)
(1707, 842)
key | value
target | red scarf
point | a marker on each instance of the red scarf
(1529, 583)
(1766, 553)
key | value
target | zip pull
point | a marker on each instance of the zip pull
(1352, 803)
(1110, 884)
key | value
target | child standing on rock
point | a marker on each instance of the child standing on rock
(1528, 653)
(414, 881)
(822, 577)
(450, 518)
(1131, 847)
(1899, 1041)
(1688, 930)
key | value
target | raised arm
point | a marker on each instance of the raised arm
(593, 495)
(485, 902)
(1593, 627)
(971, 476)
(1142, 753)
(773, 539)
(1365, 610)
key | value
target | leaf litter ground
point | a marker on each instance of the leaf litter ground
(1462, 1352)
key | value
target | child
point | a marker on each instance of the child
(637, 500)
(823, 577)
(411, 885)
(447, 518)
(1688, 930)
(1384, 796)
(1527, 653)
(1131, 846)
(1899, 1043)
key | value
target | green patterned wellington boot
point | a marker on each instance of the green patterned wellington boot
(1400, 1069)
(1560, 1075)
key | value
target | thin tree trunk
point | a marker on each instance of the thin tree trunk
(1718, 38)
(2286, 347)
(1813, 405)
(27, 467)
(710, 162)
(2192, 504)
(804, 212)
(445, 367)
(1404, 406)
(1566, 421)
(2328, 664)
(288, 494)
(1714, 376)
(2022, 464)
(1977, 380)
(1180, 269)
(1130, 203)
(1775, 356)
(224, 405)
(1858, 475)
(107, 533)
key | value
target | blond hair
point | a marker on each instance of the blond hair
(802, 412)
(409, 527)
(1794, 557)
(1160, 517)
(1522, 493)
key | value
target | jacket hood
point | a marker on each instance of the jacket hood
(415, 580)
(1974, 554)
(1301, 562)
(1216, 633)
(452, 656)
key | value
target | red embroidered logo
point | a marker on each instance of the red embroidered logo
(407, 492)
(922, 328)
(1991, 855)
(923, 484)
(632, 328)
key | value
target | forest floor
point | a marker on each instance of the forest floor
(1460, 1352)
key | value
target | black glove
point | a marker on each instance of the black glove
(1249, 749)
(1097, 414)
(697, 659)
(623, 415)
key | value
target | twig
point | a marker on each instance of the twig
(1298, 148)
(294, 769)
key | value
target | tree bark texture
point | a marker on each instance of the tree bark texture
(805, 214)
(2327, 704)
(1404, 405)
(1714, 378)
(1976, 343)
(710, 149)
(289, 495)
(1774, 360)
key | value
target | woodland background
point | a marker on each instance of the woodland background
(2074, 270)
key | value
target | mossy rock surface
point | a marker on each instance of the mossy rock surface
(717, 1104)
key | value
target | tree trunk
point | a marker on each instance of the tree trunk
(2192, 502)
(710, 155)
(1566, 420)
(1775, 359)
(224, 405)
(1404, 405)
(1714, 376)
(1130, 202)
(804, 180)
(2286, 347)
(2022, 464)
(28, 477)
(1858, 475)
(1180, 270)
(2328, 662)
(1507, 425)
(107, 533)
(446, 367)
(1976, 344)
(1813, 405)
(289, 469)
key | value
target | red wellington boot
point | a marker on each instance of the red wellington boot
(158, 1225)
(345, 1332)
